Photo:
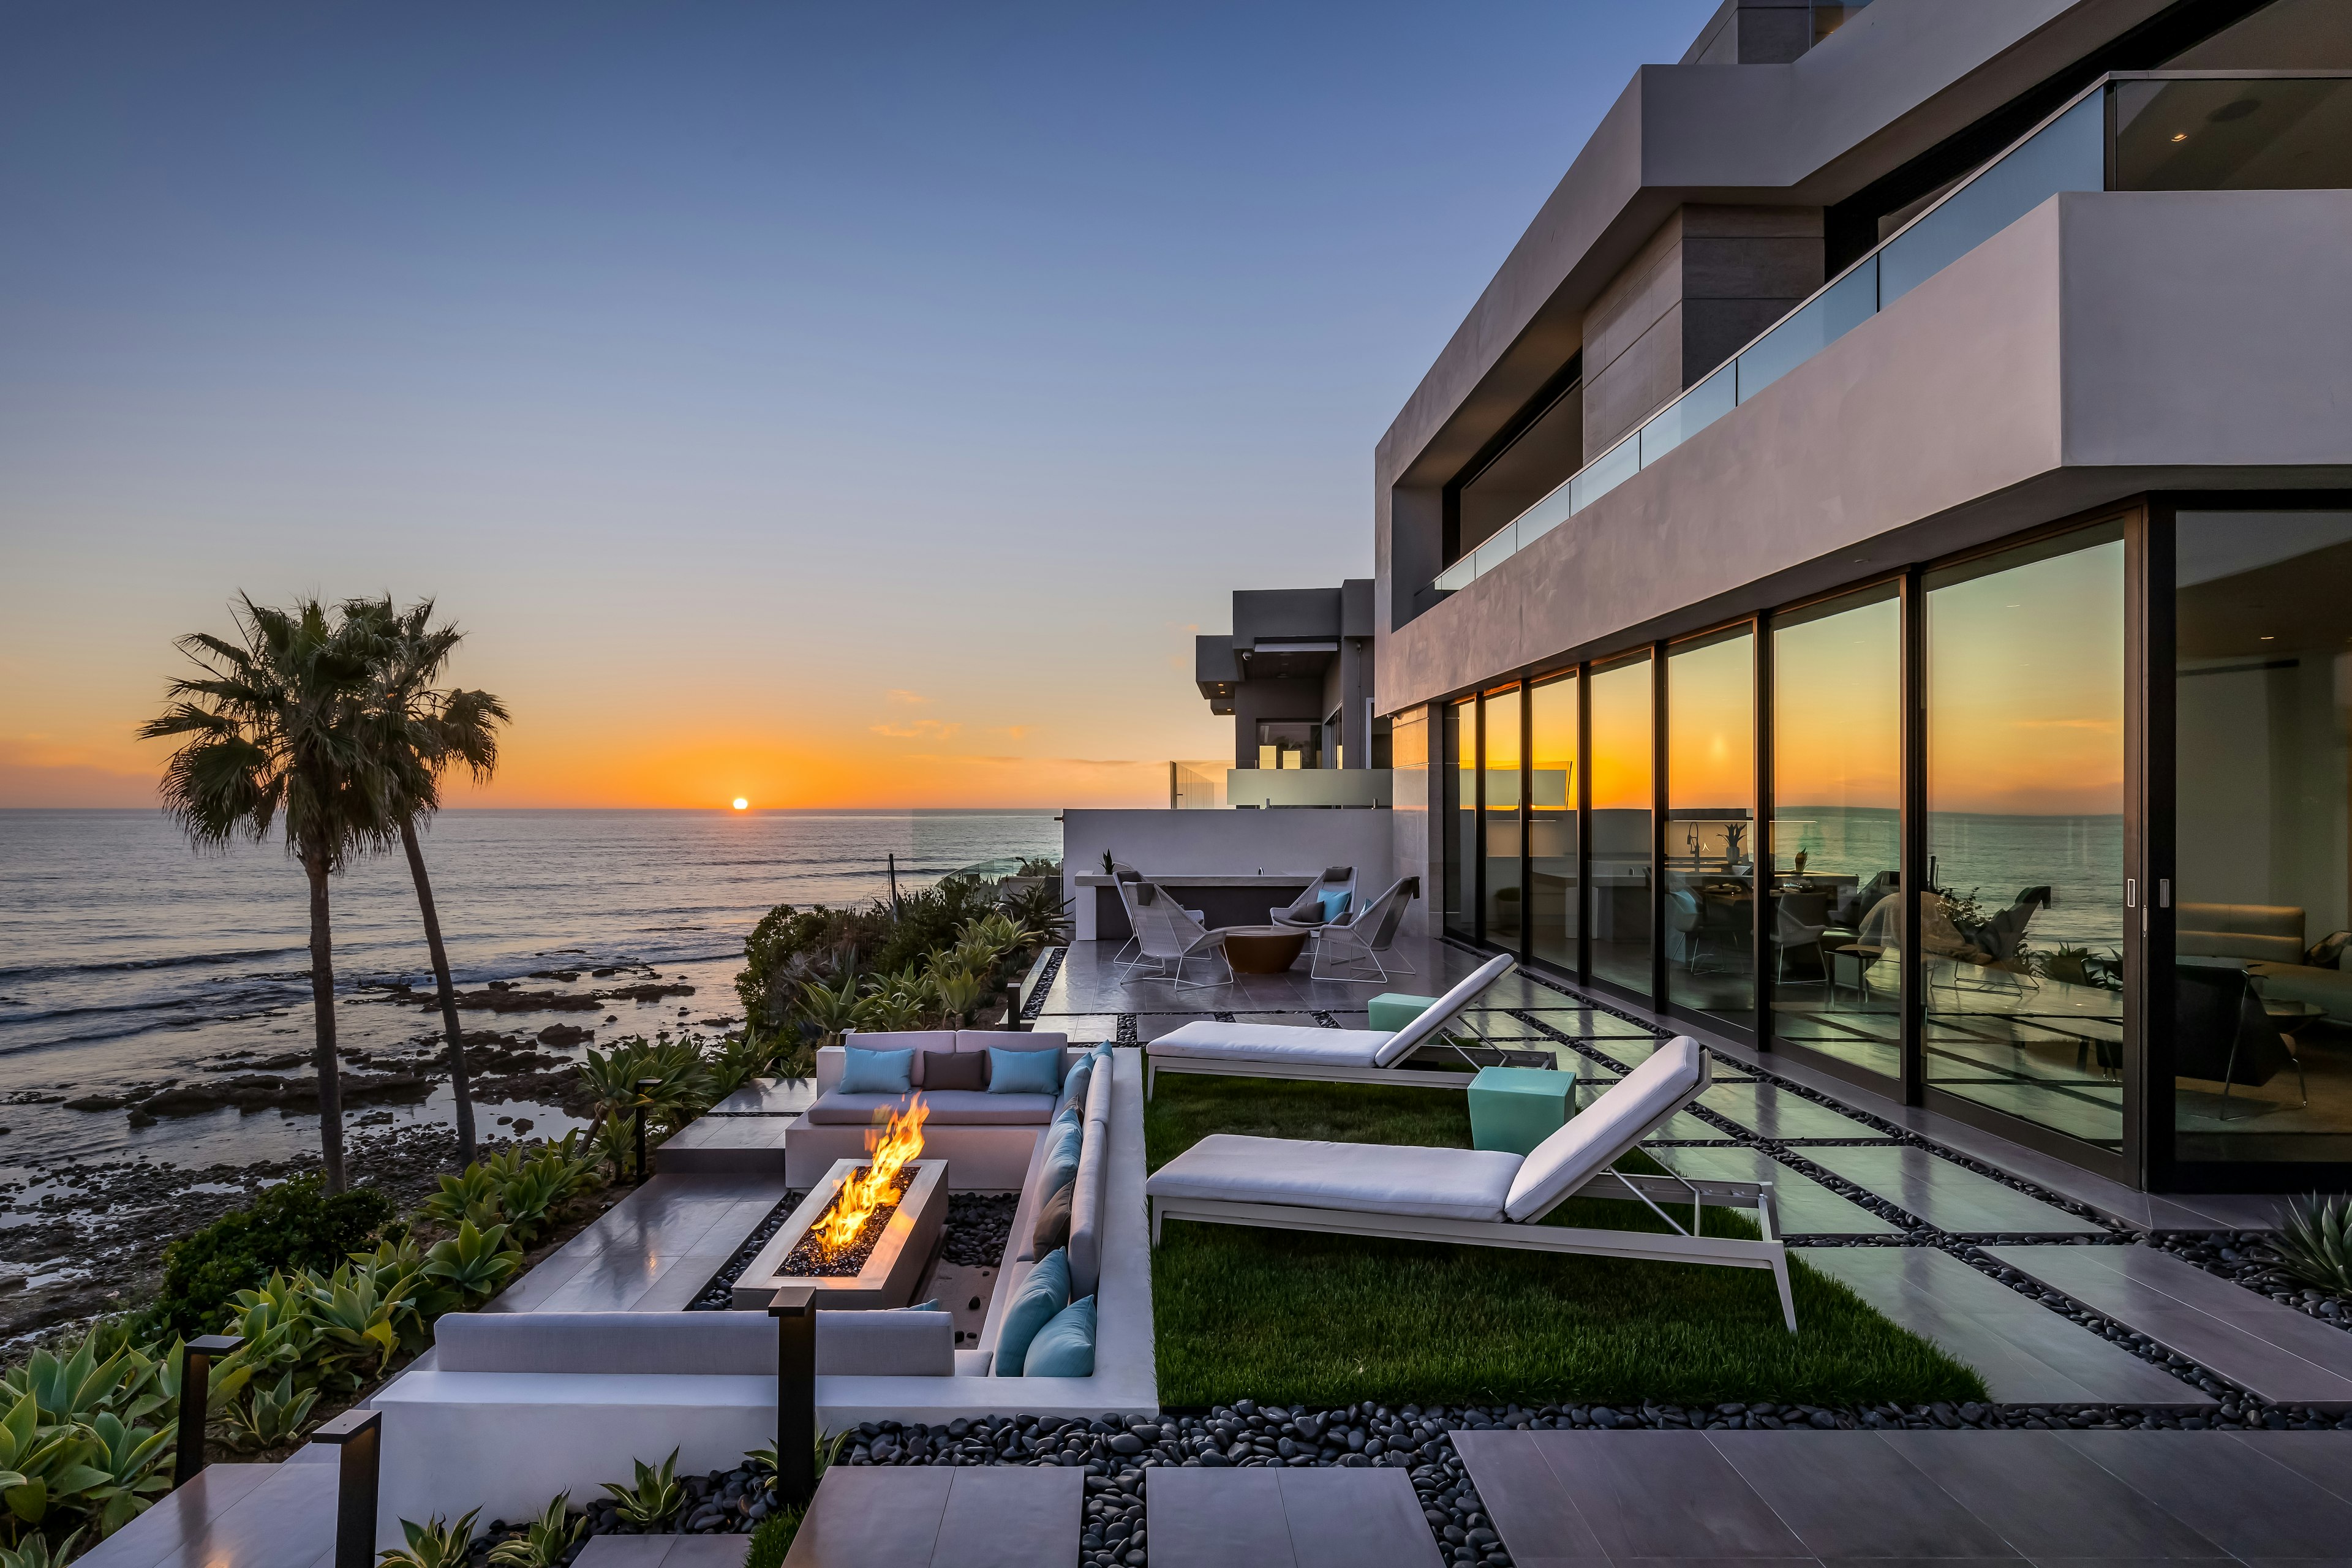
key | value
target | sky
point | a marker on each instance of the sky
(845, 405)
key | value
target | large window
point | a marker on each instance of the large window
(2021, 917)
(1552, 892)
(1833, 932)
(2261, 995)
(1710, 869)
(1618, 896)
(1460, 827)
(1505, 901)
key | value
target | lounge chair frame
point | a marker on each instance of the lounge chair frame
(1680, 1245)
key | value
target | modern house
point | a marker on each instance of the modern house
(1871, 577)
(1296, 677)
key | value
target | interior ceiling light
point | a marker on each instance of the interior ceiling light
(2180, 136)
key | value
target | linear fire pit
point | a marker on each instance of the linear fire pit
(898, 1245)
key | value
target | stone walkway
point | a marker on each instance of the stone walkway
(1278, 1518)
(235, 1516)
(999, 1516)
(1958, 1497)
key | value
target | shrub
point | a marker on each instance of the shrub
(772, 1539)
(296, 1225)
(2315, 1243)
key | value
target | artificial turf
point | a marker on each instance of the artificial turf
(1294, 1318)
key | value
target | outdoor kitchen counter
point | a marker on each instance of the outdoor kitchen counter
(1224, 899)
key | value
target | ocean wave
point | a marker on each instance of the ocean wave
(137, 965)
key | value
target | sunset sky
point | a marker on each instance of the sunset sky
(827, 406)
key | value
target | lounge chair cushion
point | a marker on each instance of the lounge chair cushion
(949, 1107)
(1367, 1178)
(1272, 1043)
(1424, 1029)
(1595, 1137)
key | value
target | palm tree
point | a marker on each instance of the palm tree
(417, 733)
(276, 739)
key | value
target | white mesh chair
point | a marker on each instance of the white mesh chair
(1365, 935)
(1328, 1056)
(1306, 912)
(1478, 1197)
(1170, 937)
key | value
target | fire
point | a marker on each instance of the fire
(867, 1190)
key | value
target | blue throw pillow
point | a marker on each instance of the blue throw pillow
(1039, 1301)
(876, 1072)
(1064, 1347)
(1024, 1072)
(1334, 905)
(1074, 1087)
(1060, 1167)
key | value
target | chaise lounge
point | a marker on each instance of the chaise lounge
(1481, 1197)
(1328, 1056)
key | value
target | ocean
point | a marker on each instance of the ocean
(126, 959)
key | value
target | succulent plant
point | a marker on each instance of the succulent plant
(2315, 1242)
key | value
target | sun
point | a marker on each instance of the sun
(742, 804)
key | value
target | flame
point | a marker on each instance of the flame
(864, 1190)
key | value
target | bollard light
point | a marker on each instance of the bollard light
(196, 1396)
(357, 1434)
(644, 1088)
(794, 1309)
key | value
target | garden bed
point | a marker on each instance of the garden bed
(1327, 1320)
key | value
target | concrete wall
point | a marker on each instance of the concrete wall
(2104, 344)
(1211, 842)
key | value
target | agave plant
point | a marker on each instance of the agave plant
(888, 1012)
(544, 1541)
(832, 1010)
(2315, 1242)
(1042, 911)
(472, 1262)
(961, 992)
(655, 1496)
(436, 1545)
(45, 1464)
(359, 1314)
(470, 1196)
(271, 1416)
(35, 1551)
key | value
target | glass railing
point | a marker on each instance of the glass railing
(2141, 131)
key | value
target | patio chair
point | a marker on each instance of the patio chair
(1307, 909)
(1326, 1056)
(1171, 937)
(1366, 934)
(1480, 1198)
(1123, 879)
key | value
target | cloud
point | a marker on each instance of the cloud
(906, 699)
(921, 729)
(1017, 731)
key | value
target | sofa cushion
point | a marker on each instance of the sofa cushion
(955, 1070)
(915, 1041)
(1009, 1040)
(947, 1108)
(1043, 1294)
(1064, 1347)
(2273, 932)
(1024, 1072)
(877, 1072)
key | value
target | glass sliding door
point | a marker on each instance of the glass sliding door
(1459, 849)
(2022, 916)
(1833, 928)
(1506, 899)
(1554, 910)
(2260, 993)
(1708, 874)
(1617, 898)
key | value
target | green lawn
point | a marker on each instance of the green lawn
(1292, 1318)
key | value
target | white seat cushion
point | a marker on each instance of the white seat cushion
(1441, 1012)
(949, 1107)
(1598, 1135)
(1364, 1178)
(1273, 1043)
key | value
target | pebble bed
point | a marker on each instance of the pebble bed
(2245, 1257)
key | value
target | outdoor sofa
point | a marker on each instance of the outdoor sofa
(986, 1139)
(1481, 1197)
(1328, 1056)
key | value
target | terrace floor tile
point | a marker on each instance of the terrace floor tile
(1772, 1112)
(1801, 1206)
(1947, 1195)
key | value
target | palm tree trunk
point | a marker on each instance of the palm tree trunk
(459, 1087)
(322, 1012)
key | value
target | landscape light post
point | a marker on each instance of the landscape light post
(195, 1395)
(794, 1309)
(644, 1088)
(355, 1432)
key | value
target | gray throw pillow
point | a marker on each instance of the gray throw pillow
(955, 1070)
(1054, 1221)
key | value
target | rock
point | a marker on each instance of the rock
(564, 1035)
(95, 1102)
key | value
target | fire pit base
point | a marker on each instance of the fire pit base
(891, 1271)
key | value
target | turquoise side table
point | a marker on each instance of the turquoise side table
(1392, 1010)
(1515, 1108)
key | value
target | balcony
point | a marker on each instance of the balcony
(2176, 131)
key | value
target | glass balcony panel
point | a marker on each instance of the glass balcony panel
(1827, 317)
(2067, 154)
(1691, 413)
(1459, 575)
(1605, 473)
(1543, 516)
(2262, 134)
(1496, 551)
